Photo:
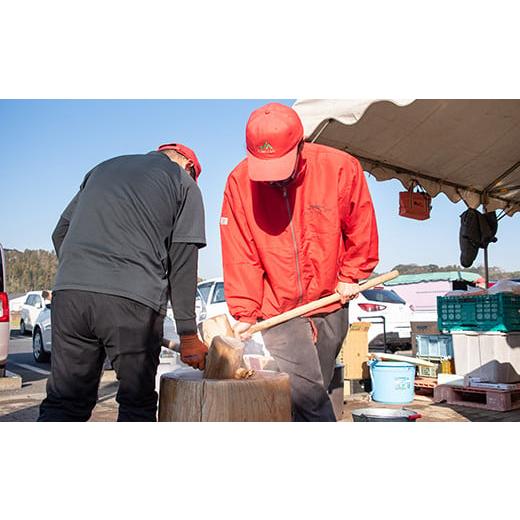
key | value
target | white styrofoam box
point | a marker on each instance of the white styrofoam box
(450, 379)
(492, 356)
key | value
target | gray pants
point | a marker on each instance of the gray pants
(310, 365)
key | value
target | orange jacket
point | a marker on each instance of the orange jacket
(283, 247)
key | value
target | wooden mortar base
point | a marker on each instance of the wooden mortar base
(186, 396)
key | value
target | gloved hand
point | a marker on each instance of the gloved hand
(240, 330)
(347, 291)
(193, 351)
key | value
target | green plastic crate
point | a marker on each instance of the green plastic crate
(494, 312)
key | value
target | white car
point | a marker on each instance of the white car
(389, 315)
(31, 309)
(16, 304)
(4, 315)
(42, 334)
(387, 312)
(212, 293)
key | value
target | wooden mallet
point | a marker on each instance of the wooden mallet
(220, 326)
(225, 352)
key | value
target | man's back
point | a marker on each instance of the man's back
(121, 226)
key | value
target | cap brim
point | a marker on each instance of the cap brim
(271, 170)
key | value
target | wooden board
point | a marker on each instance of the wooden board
(187, 397)
(355, 351)
(405, 359)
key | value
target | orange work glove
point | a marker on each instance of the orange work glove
(193, 351)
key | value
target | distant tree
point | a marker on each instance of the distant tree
(495, 273)
(35, 269)
(30, 270)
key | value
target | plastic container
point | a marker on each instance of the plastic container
(493, 357)
(447, 365)
(392, 382)
(492, 312)
(438, 345)
(385, 415)
(429, 371)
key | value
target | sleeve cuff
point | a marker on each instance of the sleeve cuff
(246, 319)
(347, 279)
(186, 327)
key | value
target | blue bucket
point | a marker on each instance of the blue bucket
(392, 382)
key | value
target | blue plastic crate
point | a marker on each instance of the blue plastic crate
(434, 345)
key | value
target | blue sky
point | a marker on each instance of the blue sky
(46, 147)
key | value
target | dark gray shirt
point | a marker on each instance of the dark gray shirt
(119, 234)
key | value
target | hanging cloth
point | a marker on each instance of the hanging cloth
(477, 230)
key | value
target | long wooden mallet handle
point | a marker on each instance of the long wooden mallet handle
(318, 304)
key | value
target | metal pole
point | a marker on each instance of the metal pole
(486, 259)
(486, 267)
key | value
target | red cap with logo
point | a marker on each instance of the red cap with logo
(273, 134)
(186, 152)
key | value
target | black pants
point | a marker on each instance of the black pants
(85, 325)
(310, 365)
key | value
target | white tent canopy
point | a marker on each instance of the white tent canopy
(467, 149)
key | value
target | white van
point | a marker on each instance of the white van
(4, 315)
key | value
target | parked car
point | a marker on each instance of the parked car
(4, 315)
(212, 294)
(387, 312)
(31, 309)
(389, 315)
(42, 335)
(16, 303)
(42, 340)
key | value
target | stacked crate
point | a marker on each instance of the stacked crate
(436, 348)
(486, 333)
(422, 328)
(491, 312)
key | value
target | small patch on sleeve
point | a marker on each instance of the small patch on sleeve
(223, 221)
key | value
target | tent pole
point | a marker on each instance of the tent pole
(486, 266)
(486, 259)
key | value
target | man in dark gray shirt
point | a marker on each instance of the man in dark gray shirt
(126, 243)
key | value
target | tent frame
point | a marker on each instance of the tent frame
(490, 189)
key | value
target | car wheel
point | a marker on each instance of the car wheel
(23, 328)
(38, 351)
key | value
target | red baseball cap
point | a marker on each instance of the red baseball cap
(273, 134)
(186, 152)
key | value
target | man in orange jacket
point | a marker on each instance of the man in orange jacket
(297, 224)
